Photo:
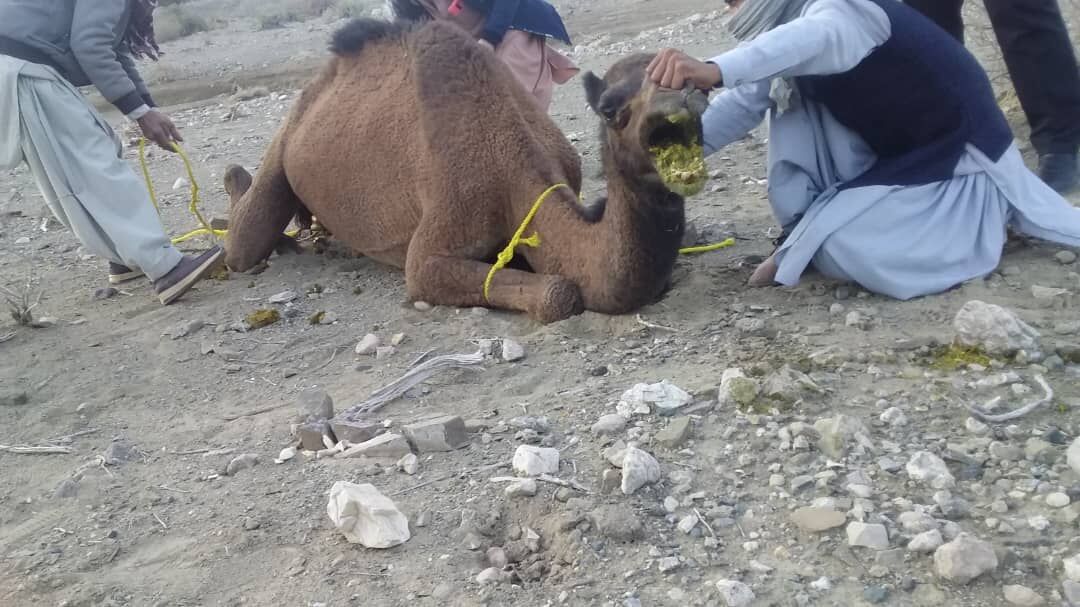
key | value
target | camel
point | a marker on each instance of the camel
(417, 148)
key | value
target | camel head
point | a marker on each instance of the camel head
(650, 131)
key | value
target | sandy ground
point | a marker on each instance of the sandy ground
(139, 511)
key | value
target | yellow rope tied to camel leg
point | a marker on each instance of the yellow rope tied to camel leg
(507, 254)
(194, 204)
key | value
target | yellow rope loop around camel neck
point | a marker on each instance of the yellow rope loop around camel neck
(507, 254)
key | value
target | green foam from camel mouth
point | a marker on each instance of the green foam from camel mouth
(681, 166)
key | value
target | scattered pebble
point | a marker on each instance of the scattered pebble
(512, 351)
(534, 461)
(927, 468)
(993, 329)
(241, 462)
(368, 344)
(734, 593)
(1022, 596)
(1057, 500)
(522, 488)
(609, 425)
(867, 535)
(1065, 257)
(638, 469)
(816, 520)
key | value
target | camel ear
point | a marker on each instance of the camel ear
(594, 88)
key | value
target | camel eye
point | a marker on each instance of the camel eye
(609, 111)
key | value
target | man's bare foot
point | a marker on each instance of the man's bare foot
(765, 274)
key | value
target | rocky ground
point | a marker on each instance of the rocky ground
(727, 446)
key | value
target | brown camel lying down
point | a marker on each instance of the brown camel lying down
(416, 147)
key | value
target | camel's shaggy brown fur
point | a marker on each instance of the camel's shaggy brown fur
(416, 147)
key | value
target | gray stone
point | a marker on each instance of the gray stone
(523, 488)
(836, 433)
(1065, 257)
(788, 385)
(875, 594)
(119, 452)
(437, 435)
(497, 557)
(926, 542)
(368, 344)
(929, 469)
(993, 329)
(964, 559)
(734, 593)
(67, 488)
(389, 446)
(816, 520)
(14, 399)
(617, 522)
(492, 575)
(241, 462)
(666, 564)
(867, 535)
(736, 389)
(675, 433)
(1072, 456)
(311, 435)
(1022, 596)
(1071, 591)
(638, 469)
(916, 522)
(1071, 566)
(512, 351)
(314, 405)
(1040, 451)
(355, 432)
(609, 424)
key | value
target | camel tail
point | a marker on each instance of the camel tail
(351, 39)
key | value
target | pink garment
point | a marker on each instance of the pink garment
(536, 66)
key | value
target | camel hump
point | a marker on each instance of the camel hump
(351, 38)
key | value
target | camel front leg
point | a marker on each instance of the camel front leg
(453, 281)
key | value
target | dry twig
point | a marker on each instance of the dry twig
(981, 414)
(32, 450)
(380, 398)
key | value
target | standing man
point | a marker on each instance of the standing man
(1043, 68)
(49, 47)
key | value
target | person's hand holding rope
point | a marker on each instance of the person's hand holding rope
(159, 128)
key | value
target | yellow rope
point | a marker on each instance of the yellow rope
(193, 206)
(507, 254)
(709, 247)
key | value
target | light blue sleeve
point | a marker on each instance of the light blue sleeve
(734, 113)
(831, 37)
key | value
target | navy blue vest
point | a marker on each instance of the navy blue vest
(917, 100)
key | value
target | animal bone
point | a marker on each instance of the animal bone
(981, 414)
(387, 394)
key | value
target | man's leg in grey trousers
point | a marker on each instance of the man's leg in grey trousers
(75, 158)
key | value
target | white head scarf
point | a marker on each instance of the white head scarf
(756, 17)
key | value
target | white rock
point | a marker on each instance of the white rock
(926, 542)
(491, 575)
(609, 424)
(638, 469)
(366, 516)
(736, 389)
(1022, 596)
(534, 461)
(994, 329)
(1039, 523)
(687, 523)
(964, 559)
(408, 463)
(368, 344)
(286, 454)
(735, 593)
(1072, 567)
(666, 397)
(916, 522)
(1072, 456)
(867, 535)
(179, 183)
(522, 488)
(1057, 500)
(927, 468)
(512, 351)
(976, 427)
(894, 416)
(670, 504)
(822, 584)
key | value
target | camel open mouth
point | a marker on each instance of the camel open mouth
(675, 145)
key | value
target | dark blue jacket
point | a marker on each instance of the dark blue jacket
(532, 16)
(918, 101)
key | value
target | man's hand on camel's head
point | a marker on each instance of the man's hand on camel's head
(673, 69)
(157, 127)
